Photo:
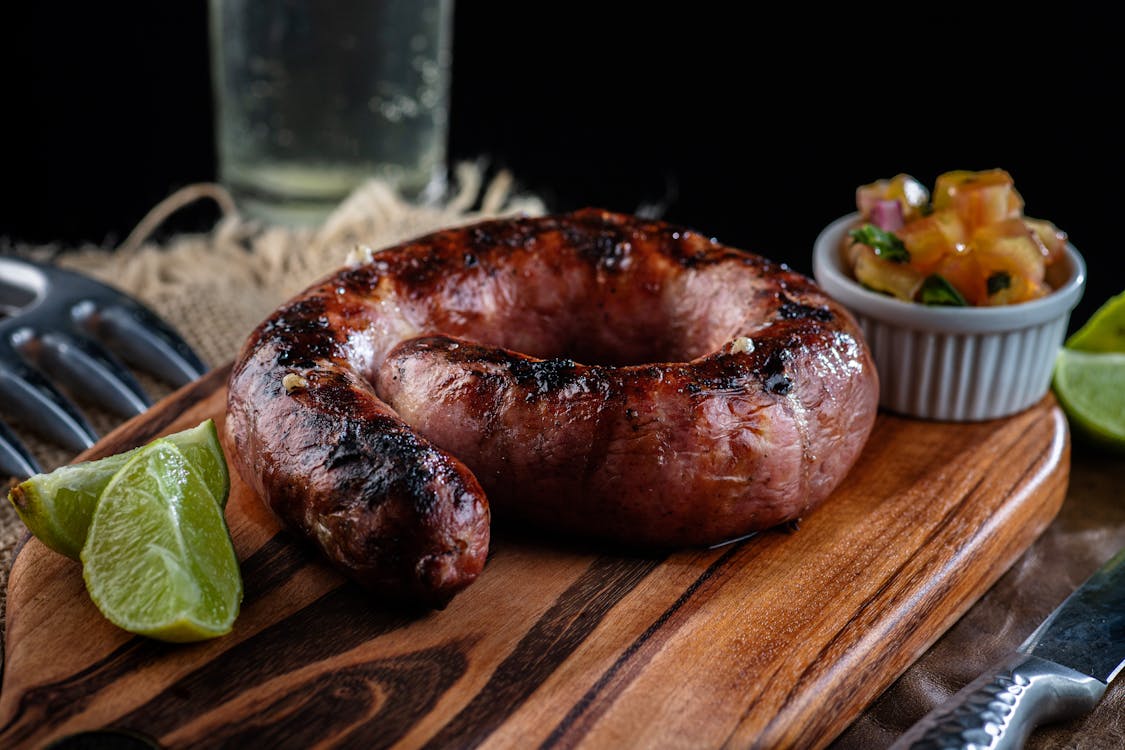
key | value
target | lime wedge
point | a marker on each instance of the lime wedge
(158, 559)
(1090, 387)
(1089, 377)
(1104, 331)
(57, 506)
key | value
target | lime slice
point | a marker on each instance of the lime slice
(1090, 387)
(1104, 331)
(57, 506)
(158, 559)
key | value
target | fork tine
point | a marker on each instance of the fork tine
(146, 341)
(37, 403)
(15, 459)
(84, 366)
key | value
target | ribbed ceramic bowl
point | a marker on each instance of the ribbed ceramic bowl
(955, 363)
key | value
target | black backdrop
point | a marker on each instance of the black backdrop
(755, 126)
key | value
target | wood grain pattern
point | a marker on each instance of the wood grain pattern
(780, 640)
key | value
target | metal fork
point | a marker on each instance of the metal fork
(62, 327)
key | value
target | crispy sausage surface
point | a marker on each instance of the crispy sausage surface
(594, 373)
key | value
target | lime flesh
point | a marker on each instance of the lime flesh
(1090, 387)
(158, 559)
(1089, 377)
(57, 506)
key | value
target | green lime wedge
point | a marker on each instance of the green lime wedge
(57, 506)
(1090, 387)
(158, 559)
(1104, 331)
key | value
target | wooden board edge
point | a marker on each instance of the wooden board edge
(1049, 485)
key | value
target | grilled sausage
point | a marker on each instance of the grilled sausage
(595, 373)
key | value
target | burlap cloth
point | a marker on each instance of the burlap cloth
(215, 287)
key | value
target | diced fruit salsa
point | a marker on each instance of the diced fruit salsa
(968, 243)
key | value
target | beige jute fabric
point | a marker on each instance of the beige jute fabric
(215, 287)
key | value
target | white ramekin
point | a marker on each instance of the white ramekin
(955, 363)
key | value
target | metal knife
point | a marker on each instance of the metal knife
(1061, 671)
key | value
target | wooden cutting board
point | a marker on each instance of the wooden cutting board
(777, 641)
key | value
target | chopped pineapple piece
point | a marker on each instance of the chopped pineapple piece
(980, 198)
(1010, 246)
(929, 238)
(852, 250)
(896, 279)
(1013, 289)
(1053, 238)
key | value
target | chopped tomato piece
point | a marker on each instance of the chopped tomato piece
(964, 272)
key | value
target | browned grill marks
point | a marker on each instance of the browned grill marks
(594, 373)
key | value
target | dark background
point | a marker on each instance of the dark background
(754, 126)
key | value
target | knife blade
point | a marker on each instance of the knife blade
(1061, 671)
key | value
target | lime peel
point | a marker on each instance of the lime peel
(1104, 331)
(57, 506)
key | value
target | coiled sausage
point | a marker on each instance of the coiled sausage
(591, 372)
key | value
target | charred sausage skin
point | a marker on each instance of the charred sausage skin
(591, 372)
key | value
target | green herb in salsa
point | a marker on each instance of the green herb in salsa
(998, 282)
(935, 290)
(886, 245)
